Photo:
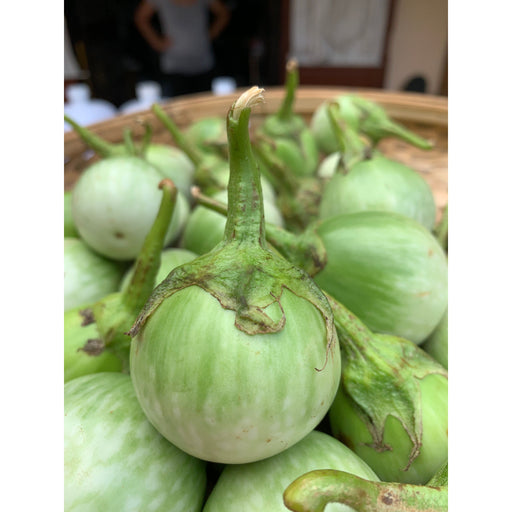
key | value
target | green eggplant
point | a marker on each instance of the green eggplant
(364, 116)
(209, 135)
(365, 182)
(94, 335)
(70, 230)
(88, 276)
(392, 403)
(437, 343)
(115, 460)
(386, 268)
(170, 161)
(259, 486)
(234, 357)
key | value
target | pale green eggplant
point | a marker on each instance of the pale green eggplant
(95, 335)
(392, 404)
(259, 486)
(234, 357)
(115, 202)
(364, 116)
(170, 161)
(115, 460)
(88, 276)
(437, 343)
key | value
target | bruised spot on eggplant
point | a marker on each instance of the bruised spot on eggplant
(88, 317)
(387, 498)
(118, 234)
(93, 347)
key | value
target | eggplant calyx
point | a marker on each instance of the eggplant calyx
(381, 377)
(241, 272)
(306, 250)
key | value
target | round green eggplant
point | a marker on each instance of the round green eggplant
(205, 228)
(223, 395)
(83, 351)
(88, 276)
(171, 162)
(364, 116)
(115, 202)
(115, 460)
(386, 268)
(393, 465)
(234, 357)
(260, 485)
(437, 343)
(380, 184)
(209, 135)
(170, 258)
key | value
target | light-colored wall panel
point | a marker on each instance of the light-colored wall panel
(418, 43)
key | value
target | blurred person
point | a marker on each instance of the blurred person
(185, 46)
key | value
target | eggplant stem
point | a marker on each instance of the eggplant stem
(147, 263)
(182, 142)
(312, 492)
(285, 111)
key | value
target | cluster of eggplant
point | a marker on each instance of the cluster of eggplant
(256, 317)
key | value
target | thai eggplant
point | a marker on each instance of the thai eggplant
(364, 116)
(219, 326)
(365, 182)
(88, 276)
(259, 486)
(115, 202)
(115, 460)
(392, 404)
(170, 161)
(95, 335)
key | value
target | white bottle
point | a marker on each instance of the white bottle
(86, 110)
(222, 85)
(147, 93)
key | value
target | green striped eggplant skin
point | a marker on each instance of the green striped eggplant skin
(209, 134)
(205, 228)
(380, 184)
(259, 486)
(70, 230)
(115, 202)
(115, 460)
(391, 465)
(171, 162)
(388, 270)
(170, 258)
(437, 343)
(321, 126)
(88, 276)
(223, 395)
(77, 361)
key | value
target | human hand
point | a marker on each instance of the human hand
(161, 44)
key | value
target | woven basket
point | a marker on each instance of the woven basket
(426, 115)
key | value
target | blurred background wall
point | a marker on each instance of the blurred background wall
(412, 35)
